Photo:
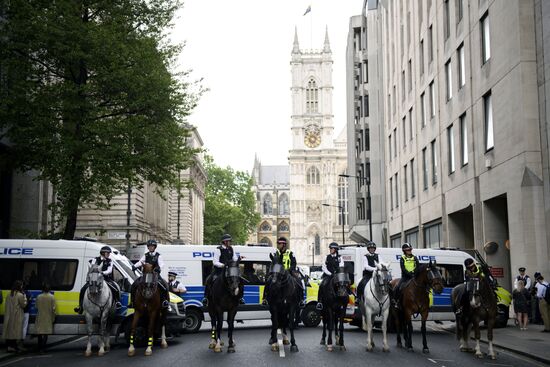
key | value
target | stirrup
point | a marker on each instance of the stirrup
(264, 302)
(165, 304)
(302, 304)
(78, 310)
(205, 301)
(118, 305)
(241, 301)
(319, 306)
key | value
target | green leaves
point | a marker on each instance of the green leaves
(229, 204)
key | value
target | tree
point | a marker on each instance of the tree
(88, 99)
(229, 204)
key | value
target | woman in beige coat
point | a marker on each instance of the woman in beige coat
(45, 317)
(13, 318)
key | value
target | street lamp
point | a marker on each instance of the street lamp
(342, 214)
(369, 211)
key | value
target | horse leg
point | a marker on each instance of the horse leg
(397, 321)
(407, 330)
(325, 320)
(219, 325)
(425, 348)
(341, 318)
(101, 335)
(274, 325)
(490, 326)
(368, 317)
(213, 336)
(163, 343)
(385, 346)
(293, 346)
(151, 333)
(330, 326)
(135, 319)
(89, 327)
(230, 325)
(477, 337)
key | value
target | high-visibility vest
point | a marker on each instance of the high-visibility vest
(286, 258)
(410, 263)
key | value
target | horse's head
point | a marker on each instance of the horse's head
(95, 280)
(474, 296)
(435, 280)
(232, 278)
(149, 281)
(341, 283)
(277, 273)
(382, 277)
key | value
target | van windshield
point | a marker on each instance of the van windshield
(127, 267)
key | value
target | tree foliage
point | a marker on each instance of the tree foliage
(88, 98)
(229, 204)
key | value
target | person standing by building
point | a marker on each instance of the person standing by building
(524, 277)
(26, 312)
(175, 285)
(521, 298)
(13, 318)
(544, 306)
(45, 317)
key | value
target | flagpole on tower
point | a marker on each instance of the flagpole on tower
(308, 10)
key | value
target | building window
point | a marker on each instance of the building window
(397, 190)
(313, 176)
(463, 140)
(459, 10)
(434, 163)
(447, 20)
(451, 147)
(389, 145)
(367, 139)
(365, 72)
(485, 38)
(283, 227)
(366, 105)
(404, 128)
(420, 12)
(312, 97)
(489, 132)
(396, 241)
(395, 142)
(265, 227)
(405, 183)
(421, 61)
(283, 205)
(449, 78)
(424, 169)
(430, 44)
(411, 130)
(432, 236)
(432, 99)
(461, 66)
(411, 237)
(423, 108)
(410, 75)
(403, 85)
(317, 245)
(343, 199)
(391, 193)
(266, 241)
(413, 182)
(268, 204)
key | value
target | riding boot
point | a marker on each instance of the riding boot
(264, 300)
(116, 298)
(79, 309)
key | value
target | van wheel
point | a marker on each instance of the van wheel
(193, 321)
(140, 338)
(503, 313)
(311, 316)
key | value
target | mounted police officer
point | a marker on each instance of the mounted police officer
(286, 258)
(105, 265)
(330, 267)
(408, 263)
(370, 260)
(175, 286)
(475, 271)
(223, 255)
(153, 258)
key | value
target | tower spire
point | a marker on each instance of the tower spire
(296, 45)
(326, 47)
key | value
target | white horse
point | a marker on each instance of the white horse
(97, 304)
(376, 302)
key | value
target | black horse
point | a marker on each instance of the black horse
(225, 294)
(283, 298)
(335, 298)
(473, 302)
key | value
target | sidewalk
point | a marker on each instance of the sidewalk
(31, 345)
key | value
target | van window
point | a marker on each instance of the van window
(206, 270)
(254, 272)
(59, 274)
(349, 267)
(126, 267)
(121, 280)
(9, 273)
(453, 275)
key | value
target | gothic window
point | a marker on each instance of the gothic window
(283, 205)
(266, 241)
(313, 176)
(265, 227)
(283, 227)
(343, 199)
(267, 204)
(312, 97)
(317, 245)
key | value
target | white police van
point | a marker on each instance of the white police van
(193, 264)
(64, 266)
(450, 263)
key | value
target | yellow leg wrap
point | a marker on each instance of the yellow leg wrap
(132, 339)
(150, 342)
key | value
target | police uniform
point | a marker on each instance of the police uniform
(369, 266)
(223, 255)
(155, 259)
(287, 259)
(105, 266)
(175, 286)
(408, 265)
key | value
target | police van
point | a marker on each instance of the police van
(450, 263)
(193, 264)
(64, 266)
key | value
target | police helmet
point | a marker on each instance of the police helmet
(406, 246)
(282, 240)
(105, 249)
(522, 269)
(172, 273)
(152, 243)
(468, 262)
(334, 245)
(371, 245)
(226, 237)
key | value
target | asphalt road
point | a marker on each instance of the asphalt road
(253, 350)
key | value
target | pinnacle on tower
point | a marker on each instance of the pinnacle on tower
(326, 47)
(296, 45)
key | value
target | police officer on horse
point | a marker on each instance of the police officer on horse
(105, 265)
(153, 258)
(330, 267)
(408, 263)
(370, 260)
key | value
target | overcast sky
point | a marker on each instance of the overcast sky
(242, 50)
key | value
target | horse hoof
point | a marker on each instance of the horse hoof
(131, 353)
(164, 344)
(222, 344)
(493, 357)
(272, 341)
(410, 350)
(479, 355)
(386, 350)
(286, 342)
(329, 348)
(426, 351)
(217, 350)
(212, 345)
(230, 350)
(148, 353)
(87, 353)
(399, 345)
(369, 349)
(343, 348)
(467, 350)
(322, 342)
(274, 347)
(294, 348)
(100, 353)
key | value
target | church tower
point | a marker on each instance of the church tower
(316, 158)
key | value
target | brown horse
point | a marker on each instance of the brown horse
(416, 299)
(148, 304)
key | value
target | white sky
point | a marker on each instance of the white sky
(242, 50)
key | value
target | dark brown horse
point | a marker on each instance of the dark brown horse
(473, 302)
(148, 305)
(415, 298)
(335, 298)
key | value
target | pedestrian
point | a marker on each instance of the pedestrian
(13, 318)
(521, 298)
(544, 306)
(175, 285)
(26, 312)
(45, 317)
